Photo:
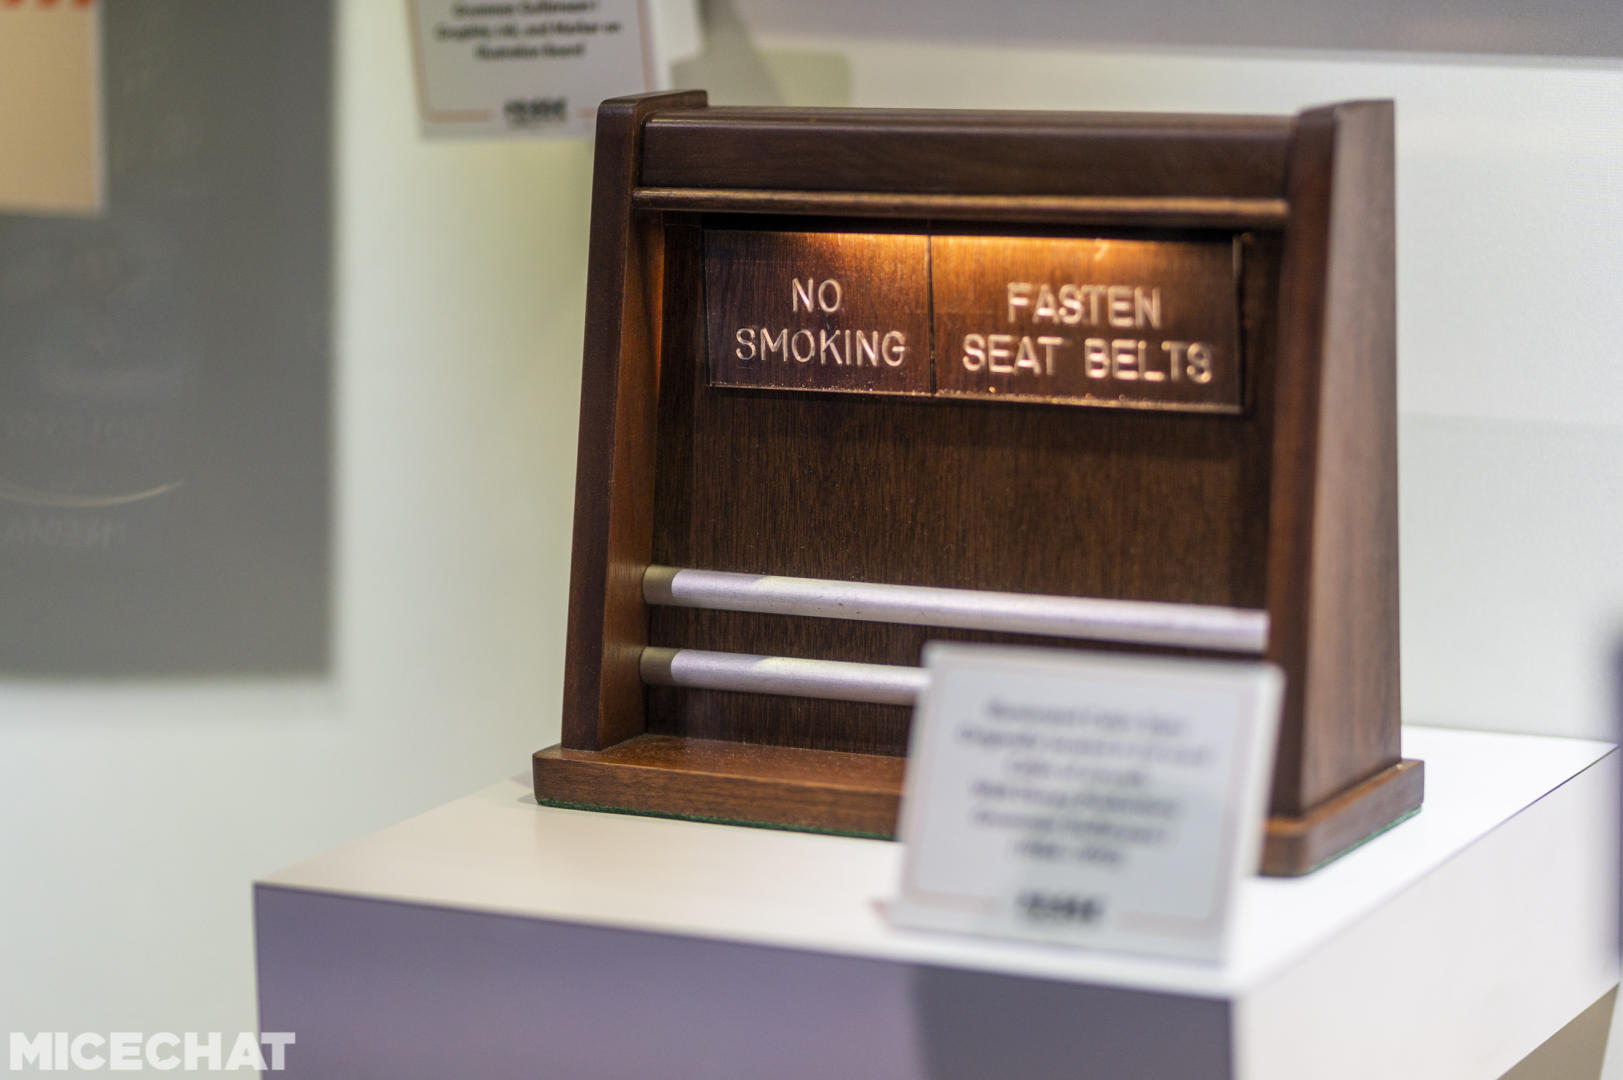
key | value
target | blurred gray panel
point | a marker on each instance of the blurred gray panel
(1572, 28)
(164, 369)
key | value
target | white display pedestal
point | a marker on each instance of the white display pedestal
(495, 938)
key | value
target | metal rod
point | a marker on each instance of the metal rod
(1191, 626)
(835, 680)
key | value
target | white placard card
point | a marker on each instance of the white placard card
(528, 67)
(1089, 798)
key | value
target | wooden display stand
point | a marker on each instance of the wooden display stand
(1257, 476)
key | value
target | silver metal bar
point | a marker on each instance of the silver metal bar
(1191, 626)
(835, 680)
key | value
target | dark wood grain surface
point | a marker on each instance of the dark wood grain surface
(961, 494)
(728, 781)
(970, 153)
(1173, 212)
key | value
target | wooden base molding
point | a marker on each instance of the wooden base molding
(825, 791)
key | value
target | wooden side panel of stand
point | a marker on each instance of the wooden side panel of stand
(603, 700)
(1332, 589)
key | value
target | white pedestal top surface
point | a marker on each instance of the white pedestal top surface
(497, 851)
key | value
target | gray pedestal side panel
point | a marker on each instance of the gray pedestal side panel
(382, 989)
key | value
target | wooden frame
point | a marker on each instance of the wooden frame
(1303, 487)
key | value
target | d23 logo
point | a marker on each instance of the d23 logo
(533, 112)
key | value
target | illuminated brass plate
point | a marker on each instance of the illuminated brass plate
(819, 311)
(1151, 324)
(1135, 323)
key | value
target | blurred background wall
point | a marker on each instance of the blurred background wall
(138, 809)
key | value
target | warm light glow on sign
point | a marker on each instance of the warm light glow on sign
(1104, 322)
(1138, 323)
(819, 311)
